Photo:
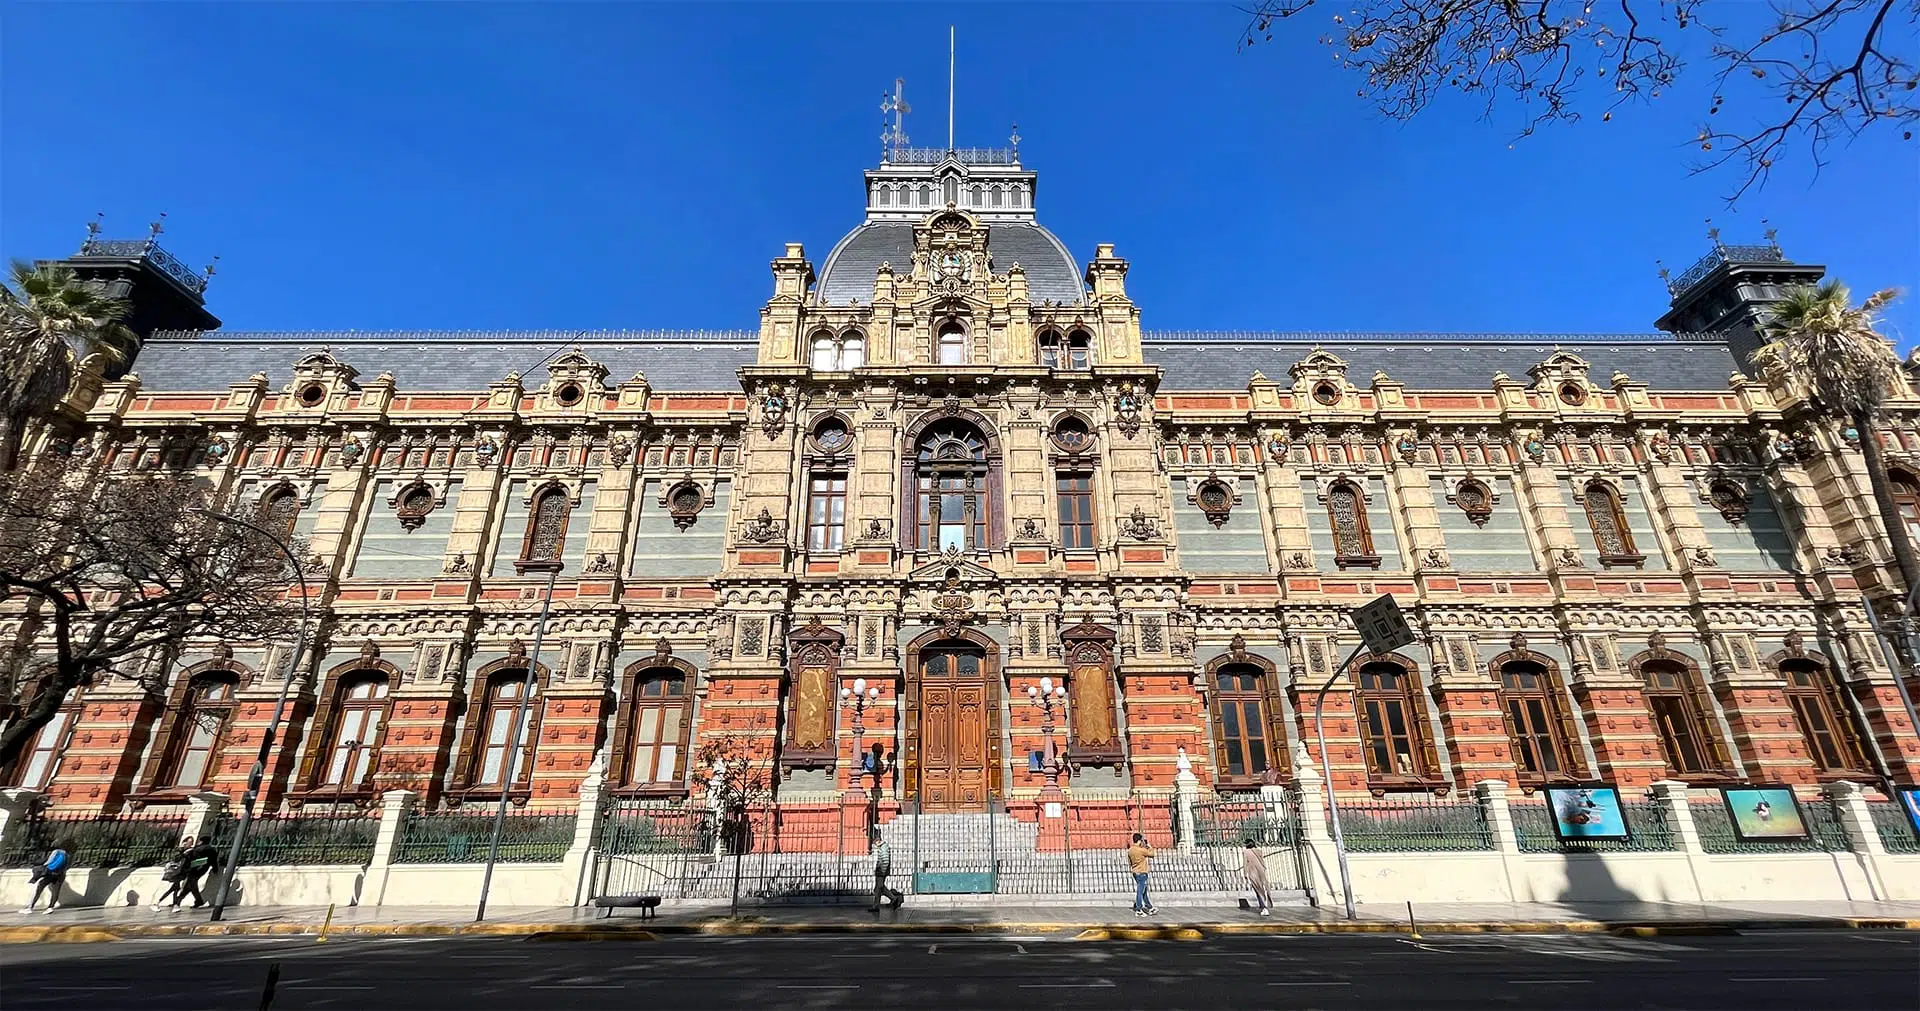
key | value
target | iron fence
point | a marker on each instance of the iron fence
(1647, 829)
(1825, 833)
(1414, 824)
(303, 838)
(1896, 832)
(443, 837)
(145, 839)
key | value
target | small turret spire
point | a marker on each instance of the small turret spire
(894, 138)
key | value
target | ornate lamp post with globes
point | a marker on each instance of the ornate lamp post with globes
(1048, 697)
(860, 695)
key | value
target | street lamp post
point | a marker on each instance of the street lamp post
(259, 772)
(859, 696)
(513, 735)
(1047, 697)
(1333, 805)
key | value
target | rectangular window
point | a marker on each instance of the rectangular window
(44, 760)
(1821, 739)
(1076, 510)
(1676, 734)
(1533, 735)
(827, 512)
(1389, 737)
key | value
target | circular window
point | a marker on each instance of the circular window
(1572, 394)
(569, 394)
(684, 504)
(1326, 394)
(832, 436)
(312, 394)
(1071, 435)
(1730, 499)
(414, 505)
(1475, 500)
(1215, 500)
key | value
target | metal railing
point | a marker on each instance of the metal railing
(304, 838)
(443, 837)
(1896, 832)
(1647, 828)
(1414, 824)
(145, 839)
(1825, 833)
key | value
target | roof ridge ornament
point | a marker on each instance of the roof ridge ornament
(893, 138)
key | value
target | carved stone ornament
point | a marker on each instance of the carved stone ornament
(1568, 558)
(1029, 530)
(458, 566)
(1475, 499)
(1278, 447)
(1730, 499)
(351, 449)
(662, 649)
(1127, 409)
(315, 563)
(1518, 643)
(620, 451)
(1140, 526)
(1661, 447)
(516, 649)
(1841, 554)
(1433, 558)
(412, 505)
(762, 529)
(1794, 644)
(1535, 448)
(1237, 648)
(773, 412)
(601, 565)
(875, 530)
(1215, 500)
(1299, 560)
(485, 450)
(217, 450)
(222, 651)
(369, 651)
(1703, 556)
(1408, 448)
(684, 503)
(952, 606)
(1657, 643)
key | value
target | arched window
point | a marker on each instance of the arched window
(1245, 749)
(997, 196)
(1542, 751)
(352, 741)
(495, 723)
(951, 467)
(1906, 497)
(1673, 700)
(952, 348)
(977, 194)
(657, 746)
(546, 528)
(1079, 351)
(1608, 520)
(1390, 727)
(279, 510)
(1814, 696)
(42, 760)
(825, 355)
(198, 732)
(951, 187)
(1352, 538)
(1050, 349)
(926, 194)
(853, 351)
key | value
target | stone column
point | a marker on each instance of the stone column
(1316, 842)
(1850, 810)
(1186, 786)
(1492, 795)
(575, 864)
(203, 813)
(394, 805)
(1671, 795)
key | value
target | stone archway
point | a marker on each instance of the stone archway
(953, 722)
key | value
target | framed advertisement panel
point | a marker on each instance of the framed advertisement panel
(1590, 812)
(1768, 813)
(1909, 800)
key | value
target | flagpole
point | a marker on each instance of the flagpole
(949, 87)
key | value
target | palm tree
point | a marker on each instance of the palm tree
(1818, 335)
(50, 320)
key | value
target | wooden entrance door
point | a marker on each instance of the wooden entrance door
(955, 705)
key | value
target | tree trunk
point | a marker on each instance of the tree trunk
(19, 732)
(1903, 553)
(11, 431)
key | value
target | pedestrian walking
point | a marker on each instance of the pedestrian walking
(50, 875)
(1140, 859)
(185, 871)
(883, 866)
(1256, 868)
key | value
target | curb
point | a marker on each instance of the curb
(653, 931)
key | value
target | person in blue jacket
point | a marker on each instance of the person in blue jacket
(49, 876)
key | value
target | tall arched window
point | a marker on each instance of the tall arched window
(952, 349)
(1050, 346)
(1906, 497)
(825, 355)
(495, 725)
(1390, 728)
(1079, 351)
(198, 732)
(1608, 520)
(42, 760)
(657, 742)
(1814, 696)
(953, 501)
(1245, 749)
(853, 351)
(546, 528)
(353, 739)
(1352, 538)
(279, 510)
(1542, 750)
(1673, 700)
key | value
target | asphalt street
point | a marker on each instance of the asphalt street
(1825, 970)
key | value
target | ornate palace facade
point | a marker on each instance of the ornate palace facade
(950, 463)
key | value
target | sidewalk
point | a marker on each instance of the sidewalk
(1174, 921)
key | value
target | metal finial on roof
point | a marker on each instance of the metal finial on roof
(1015, 141)
(208, 275)
(1772, 234)
(1713, 233)
(156, 228)
(93, 232)
(894, 139)
(1665, 274)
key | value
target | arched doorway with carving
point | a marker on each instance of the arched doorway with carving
(953, 759)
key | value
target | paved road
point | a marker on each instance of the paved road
(1829, 971)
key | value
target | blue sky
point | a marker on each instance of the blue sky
(438, 165)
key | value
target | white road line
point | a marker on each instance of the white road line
(819, 986)
(94, 986)
(1304, 982)
(1549, 981)
(1103, 984)
(580, 986)
(1777, 979)
(324, 986)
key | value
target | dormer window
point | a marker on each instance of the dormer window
(952, 344)
(1072, 352)
(842, 353)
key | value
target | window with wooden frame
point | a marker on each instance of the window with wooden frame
(198, 731)
(1050, 348)
(1674, 702)
(1391, 732)
(951, 345)
(495, 728)
(1079, 351)
(659, 718)
(1074, 492)
(41, 762)
(546, 535)
(1815, 698)
(952, 471)
(1347, 517)
(354, 734)
(1246, 747)
(1537, 723)
(1906, 499)
(1607, 518)
(279, 511)
(826, 512)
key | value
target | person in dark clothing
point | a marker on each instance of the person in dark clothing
(185, 871)
(883, 866)
(49, 876)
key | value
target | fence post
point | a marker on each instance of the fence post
(1315, 840)
(1856, 819)
(16, 810)
(586, 832)
(394, 805)
(1185, 787)
(1671, 795)
(204, 811)
(1492, 795)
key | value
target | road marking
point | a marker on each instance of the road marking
(580, 986)
(819, 986)
(95, 986)
(327, 986)
(1778, 979)
(1549, 981)
(1067, 986)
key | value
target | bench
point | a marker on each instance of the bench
(647, 904)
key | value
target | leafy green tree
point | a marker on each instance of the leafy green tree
(50, 321)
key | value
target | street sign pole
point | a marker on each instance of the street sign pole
(1383, 629)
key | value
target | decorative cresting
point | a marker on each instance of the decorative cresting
(813, 666)
(1095, 737)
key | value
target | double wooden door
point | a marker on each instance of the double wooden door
(955, 730)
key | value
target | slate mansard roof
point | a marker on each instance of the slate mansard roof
(848, 273)
(707, 360)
